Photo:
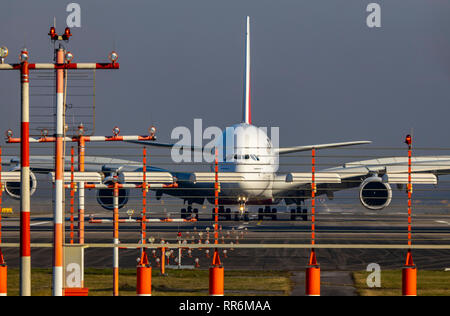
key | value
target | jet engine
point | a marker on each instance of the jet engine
(374, 194)
(105, 197)
(13, 188)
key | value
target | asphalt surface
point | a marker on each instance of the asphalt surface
(333, 227)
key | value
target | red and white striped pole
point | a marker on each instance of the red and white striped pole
(72, 194)
(116, 240)
(81, 155)
(59, 182)
(25, 252)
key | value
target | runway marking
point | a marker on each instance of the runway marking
(40, 223)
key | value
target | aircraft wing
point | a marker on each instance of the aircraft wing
(288, 150)
(165, 145)
(437, 165)
(187, 189)
(45, 164)
(392, 170)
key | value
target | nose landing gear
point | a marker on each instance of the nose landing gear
(242, 211)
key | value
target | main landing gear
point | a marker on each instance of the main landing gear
(299, 212)
(189, 212)
(223, 212)
(267, 211)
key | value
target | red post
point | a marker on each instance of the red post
(3, 266)
(144, 277)
(144, 270)
(409, 272)
(3, 277)
(163, 261)
(216, 276)
(216, 200)
(409, 277)
(312, 278)
(144, 198)
(1, 194)
(72, 194)
(216, 271)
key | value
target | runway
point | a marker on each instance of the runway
(338, 227)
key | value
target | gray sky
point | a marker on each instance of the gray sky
(318, 72)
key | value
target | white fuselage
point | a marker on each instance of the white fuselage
(246, 149)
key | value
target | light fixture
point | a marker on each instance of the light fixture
(44, 133)
(68, 57)
(113, 57)
(80, 129)
(3, 53)
(52, 34)
(116, 131)
(66, 34)
(23, 57)
(152, 131)
(408, 140)
(9, 134)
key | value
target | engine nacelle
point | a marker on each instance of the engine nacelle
(374, 194)
(13, 188)
(105, 197)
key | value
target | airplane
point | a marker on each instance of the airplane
(248, 172)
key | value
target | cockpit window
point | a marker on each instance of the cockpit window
(241, 157)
